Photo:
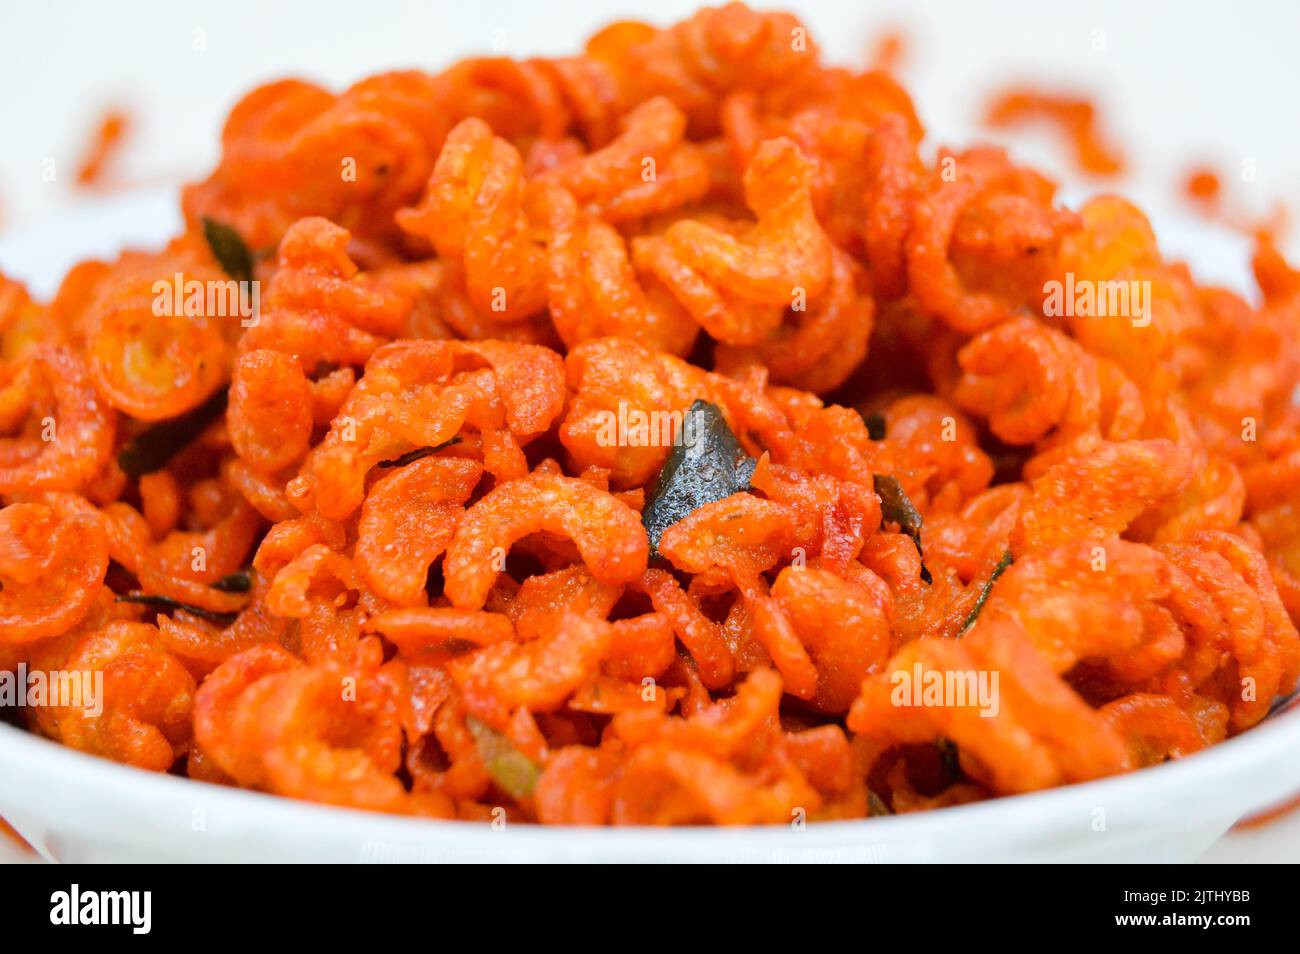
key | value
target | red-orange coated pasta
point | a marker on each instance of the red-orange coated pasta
(657, 435)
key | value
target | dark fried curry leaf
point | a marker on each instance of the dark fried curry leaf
(167, 603)
(411, 456)
(897, 507)
(241, 581)
(876, 805)
(153, 447)
(875, 426)
(706, 465)
(948, 758)
(985, 590)
(229, 250)
(512, 771)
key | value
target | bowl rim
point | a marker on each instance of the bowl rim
(150, 210)
(1279, 735)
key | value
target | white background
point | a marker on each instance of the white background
(1178, 83)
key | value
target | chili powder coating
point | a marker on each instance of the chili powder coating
(387, 545)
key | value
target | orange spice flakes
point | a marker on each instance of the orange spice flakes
(1202, 186)
(1076, 116)
(888, 50)
(105, 143)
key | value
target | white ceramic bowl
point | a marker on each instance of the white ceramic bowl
(73, 807)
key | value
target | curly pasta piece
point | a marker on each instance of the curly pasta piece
(590, 92)
(693, 173)
(538, 675)
(53, 557)
(643, 647)
(845, 644)
(473, 210)
(978, 205)
(270, 412)
(820, 349)
(407, 521)
(1098, 495)
(607, 533)
(67, 448)
(145, 717)
(1253, 625)
(413, 395)
(978, 534)
(183, 564)
(941, 444)
(1153, 727)
(1055, 394)
(1099, 601)
(317, 577)
(696, 61)
(1018, 379)
(594, 290)
(149, 365)
(544, 601)
(318, 308)
(203, 645)
(1038, 733)
(651, 134)
(291, 149)
(492, 89)
(302, 736)
(737, 286)
(741, 534)
(893, 174)
(609, 374)
(216, 701)
(1117, 245)
(1213, 499)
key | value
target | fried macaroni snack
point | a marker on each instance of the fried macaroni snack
(656, 435)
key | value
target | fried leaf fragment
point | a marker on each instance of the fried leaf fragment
(985, 590)
(229, 249)
(512, 771)
(897, 507)
(241, 581)
(168, 604)
(410, 457)
(875, 425)
(707, 464)
(152, 448)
